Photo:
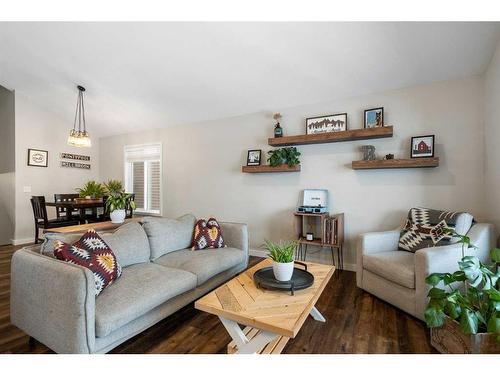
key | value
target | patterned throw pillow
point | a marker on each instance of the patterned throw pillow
(207, 235)
(92, 252)
(425, 227)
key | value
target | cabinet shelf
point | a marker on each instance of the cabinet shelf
(396, 163)
(269, 169)
(343, 136)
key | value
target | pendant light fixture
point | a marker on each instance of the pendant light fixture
(79, 137)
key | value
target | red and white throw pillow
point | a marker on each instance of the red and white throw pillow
(92, 252)
(207, 235)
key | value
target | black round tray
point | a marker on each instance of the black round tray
(301, 279)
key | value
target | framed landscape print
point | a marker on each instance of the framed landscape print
(374, 118)
(38, 158)
(326, 124)
(422, 146)
(253, 157)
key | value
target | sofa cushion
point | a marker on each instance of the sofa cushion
(396, 266)
(141, 288)
(207, 235)
(204, 263)
(425, 227)
(129, 243)
(167, 235)
(92, 252)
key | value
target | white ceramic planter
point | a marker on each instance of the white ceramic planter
(117, 216)
(283, 271)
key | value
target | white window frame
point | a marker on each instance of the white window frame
(127, 176)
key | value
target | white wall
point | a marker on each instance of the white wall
(492, 137)
(40, 129)
(7, 165)
(202, 163)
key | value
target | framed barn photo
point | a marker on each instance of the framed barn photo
(253, 157)
(326, 124)
(422, 146)
(374, 118)
(38, 158)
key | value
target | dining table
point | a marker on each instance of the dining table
(81, 205)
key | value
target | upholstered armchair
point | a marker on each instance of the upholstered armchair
(398, 276)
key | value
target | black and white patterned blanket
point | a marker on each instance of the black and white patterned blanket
(425, 227)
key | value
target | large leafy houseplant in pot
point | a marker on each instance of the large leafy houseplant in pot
(116, 204)
(464, 306)
(282, 254)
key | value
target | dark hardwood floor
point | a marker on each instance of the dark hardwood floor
(357, 322)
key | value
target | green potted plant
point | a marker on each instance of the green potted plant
(464, 306)
(114, 187)
(285, 155)
(116, 204)
(91, 190)
(282, 254)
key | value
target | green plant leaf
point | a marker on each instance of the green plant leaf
(434, 279)
(495, 255)
(493, 294)
(434, 317)
(469, 321)
(493, 324)
(436, 293)
(453, 310)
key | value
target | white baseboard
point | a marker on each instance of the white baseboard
(21, 241)
(263, 254)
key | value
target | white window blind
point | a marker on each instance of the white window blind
(143, 176)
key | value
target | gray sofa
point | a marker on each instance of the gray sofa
(55, 302)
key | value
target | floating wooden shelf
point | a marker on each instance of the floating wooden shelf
(396, 163)
(343, 136)
(269, 169)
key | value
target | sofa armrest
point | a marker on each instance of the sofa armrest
(53, 301)
(235, 235)
(371, 243)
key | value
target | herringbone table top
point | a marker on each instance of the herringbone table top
(276, 311)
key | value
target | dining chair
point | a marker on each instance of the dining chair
(129, 212)
(62, 211)
(41, 218)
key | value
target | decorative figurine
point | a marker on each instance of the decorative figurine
(278, 130)
(368, 152)
(389, 157)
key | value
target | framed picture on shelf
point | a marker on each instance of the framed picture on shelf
(326, 124)
(374, 118)
(38, 158)
(422, 146)
(253, 157)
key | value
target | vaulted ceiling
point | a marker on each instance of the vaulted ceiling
(149, 75)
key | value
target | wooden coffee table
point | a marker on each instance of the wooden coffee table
(270, 317)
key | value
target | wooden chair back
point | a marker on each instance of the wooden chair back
(63, 198)
(39, 209)
(129, 212)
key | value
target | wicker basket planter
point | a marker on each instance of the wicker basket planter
(450, 339)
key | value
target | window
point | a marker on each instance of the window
(143, 176)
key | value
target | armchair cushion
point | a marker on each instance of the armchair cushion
(425, 227)
(395, 266)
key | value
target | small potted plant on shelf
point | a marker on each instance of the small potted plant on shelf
(116, 204)
(285, 155)
(464, 306)
(282, 255)
(91, 190)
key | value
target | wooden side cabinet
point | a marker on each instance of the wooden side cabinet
(328, 232)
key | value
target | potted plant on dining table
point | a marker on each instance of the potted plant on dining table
(92, 190)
